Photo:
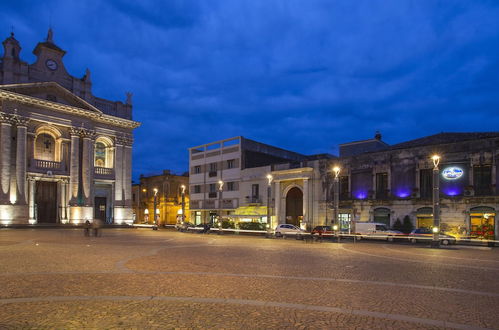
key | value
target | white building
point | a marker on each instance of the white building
(229, 177)
(65, 154)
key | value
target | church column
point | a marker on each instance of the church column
(5, 149)
(22, 124)
(118, 172)
(277, 198)
(31, 200)
(119, 211)
(87, 167)
(75, 166)
(305, 202)
(127, 175)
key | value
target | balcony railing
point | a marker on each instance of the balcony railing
(104, 172)
(47, 164)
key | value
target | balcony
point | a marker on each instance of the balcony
(212, 174)
(212, 195)
(104, 173)
(47, 167)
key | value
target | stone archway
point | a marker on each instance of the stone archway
(294, 206)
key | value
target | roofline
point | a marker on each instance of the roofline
(363, 141)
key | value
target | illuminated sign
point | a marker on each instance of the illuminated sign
(452, 173)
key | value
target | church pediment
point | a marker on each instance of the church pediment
(52, 92)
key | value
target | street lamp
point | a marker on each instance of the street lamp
(220, 192)
(269, 220)
(155, 226)
(336, 188)
(183, 202)
(435, 243)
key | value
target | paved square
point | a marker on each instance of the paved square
(163, 279)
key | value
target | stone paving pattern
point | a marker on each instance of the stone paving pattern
(163, 279)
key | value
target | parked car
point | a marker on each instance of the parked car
(426, 235)
(375, 230)
(287, 229)
(322, 230)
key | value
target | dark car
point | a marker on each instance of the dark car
(322, 230)
(426, 235)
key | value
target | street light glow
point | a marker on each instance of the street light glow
(436, 160)
(336, 171)
(269, 177)
(220, 184)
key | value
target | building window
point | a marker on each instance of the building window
(197, 189)
(255, 193)
(381, 185)
(230, 186)
(230, 163)
(45, 147)
(482, 179)
(344, 192)
(382, 215)
(213, 170)
(426, 183)
(213, 187)
(197, 169)
(103, 155)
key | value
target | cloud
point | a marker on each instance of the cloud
(302, 75)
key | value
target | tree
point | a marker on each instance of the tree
(407, 226)
(398, 225)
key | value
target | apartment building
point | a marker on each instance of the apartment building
(229, 178)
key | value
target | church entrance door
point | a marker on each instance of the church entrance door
(46, 201)
(100, 208)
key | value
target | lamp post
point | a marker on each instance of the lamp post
(435, 243)
(220, 192)
(269, 193)
(336, 188)
(155, 213)
(183, 202)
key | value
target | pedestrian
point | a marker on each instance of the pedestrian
(96, 226)
(86, 228)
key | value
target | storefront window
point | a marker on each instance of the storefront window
(424, 217)
(482, 220)
(345, 222)
(382, 215)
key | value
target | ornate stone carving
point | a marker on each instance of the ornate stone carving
(87, 133)
(125, 140)
(82, 132)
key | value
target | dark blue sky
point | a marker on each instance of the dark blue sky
(303, 75)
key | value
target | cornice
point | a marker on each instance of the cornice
(98, 117)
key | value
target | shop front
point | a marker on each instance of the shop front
(483, 223)
(424, 217)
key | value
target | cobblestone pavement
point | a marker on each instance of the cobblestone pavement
(164, 279)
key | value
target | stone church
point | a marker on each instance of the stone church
(65, 154)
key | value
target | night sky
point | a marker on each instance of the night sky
(298, 74)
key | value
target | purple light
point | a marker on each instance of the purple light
(361, 195)
(402, 193)
(451, 192)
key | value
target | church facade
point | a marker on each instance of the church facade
(65, 154)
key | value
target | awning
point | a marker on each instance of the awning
(250, 211)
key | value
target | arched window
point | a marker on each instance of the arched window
(48, 143)
(45, 147)
(103, 152)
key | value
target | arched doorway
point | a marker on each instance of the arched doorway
(294, 206)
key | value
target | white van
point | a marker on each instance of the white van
(375, 230)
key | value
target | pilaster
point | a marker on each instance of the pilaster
(22, 126)
(5, 150)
